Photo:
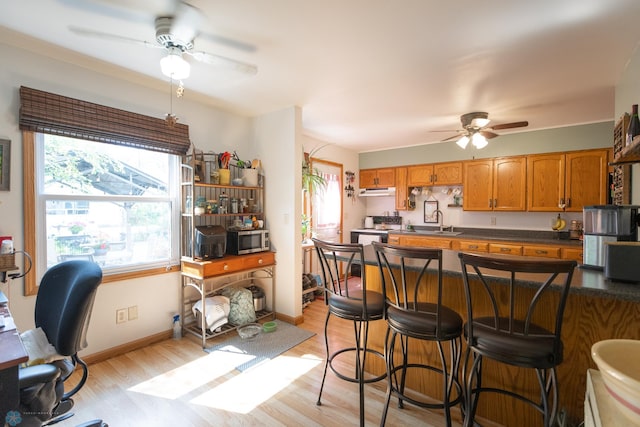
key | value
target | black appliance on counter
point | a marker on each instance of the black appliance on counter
(210, 241)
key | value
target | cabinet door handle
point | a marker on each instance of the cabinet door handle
(568, 201)
(505, 249)
(490, 203)
(473, 246)
(225, 267)
(260, 261)
(495, 203)
(435, 177)
(541, 252)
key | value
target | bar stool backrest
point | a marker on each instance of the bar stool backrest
(396, 267)
(519, 295)
(335, 273)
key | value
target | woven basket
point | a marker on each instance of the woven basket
(8, 261)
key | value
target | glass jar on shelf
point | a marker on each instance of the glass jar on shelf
(223, 204)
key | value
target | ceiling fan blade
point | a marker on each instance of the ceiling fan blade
(187, 22)
(488, 134)
(223, 62)
(451, 137)
(509, 125)
(114, 37)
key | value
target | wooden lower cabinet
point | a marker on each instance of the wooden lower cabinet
(572, 253)
(489, 246)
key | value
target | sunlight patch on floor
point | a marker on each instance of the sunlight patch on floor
(254, 386)
(190, 376)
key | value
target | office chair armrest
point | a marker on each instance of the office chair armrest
(37, 374)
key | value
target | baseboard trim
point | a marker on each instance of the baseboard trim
(290, 319)
(127, 347)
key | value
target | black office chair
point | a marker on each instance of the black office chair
(514, 316)
(414, 310)
(358, 305)
(63, 309)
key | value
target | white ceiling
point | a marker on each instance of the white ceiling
(375, 74)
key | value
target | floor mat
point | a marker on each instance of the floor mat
(265, 346)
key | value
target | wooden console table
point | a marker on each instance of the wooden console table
(245, 269)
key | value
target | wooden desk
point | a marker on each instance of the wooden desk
(12, 354)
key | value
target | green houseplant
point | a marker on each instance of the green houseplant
(312, 180)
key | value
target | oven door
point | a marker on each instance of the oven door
(365, 239)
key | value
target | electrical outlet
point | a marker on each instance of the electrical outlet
(493, 220)
(133, 312)
(121, 315)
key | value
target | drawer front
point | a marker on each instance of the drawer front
(393, 239)
(473, 246)
(506, 249)
(572, 253)
(428, 242)
(541, 251)
(227, 264)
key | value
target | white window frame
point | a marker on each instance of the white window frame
(41, 198)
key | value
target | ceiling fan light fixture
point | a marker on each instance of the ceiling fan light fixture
(462, 142)
(174, 66)
(479, 141)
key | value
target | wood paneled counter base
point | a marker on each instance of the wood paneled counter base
(596, 310)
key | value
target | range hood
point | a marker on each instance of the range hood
(373, 192)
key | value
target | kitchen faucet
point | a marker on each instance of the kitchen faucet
(441, 220)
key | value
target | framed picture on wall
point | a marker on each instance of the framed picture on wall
(430, 211)
(5, 163)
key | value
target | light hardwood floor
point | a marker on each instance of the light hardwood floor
(175, 383)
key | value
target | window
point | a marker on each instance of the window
(114, 205)
(99, 183)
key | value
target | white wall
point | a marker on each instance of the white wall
(627, 94)
(277, 141)
(157, 297)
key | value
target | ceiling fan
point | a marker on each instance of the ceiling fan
(475, 129)
(176, 33)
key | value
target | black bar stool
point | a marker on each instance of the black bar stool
(524, 331)
(358, 305)
(414, 310)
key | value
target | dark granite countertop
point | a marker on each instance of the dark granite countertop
(585, 281)
(528, 236)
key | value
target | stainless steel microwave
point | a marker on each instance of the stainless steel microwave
(243, 242)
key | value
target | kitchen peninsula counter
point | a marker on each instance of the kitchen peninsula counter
(597, 309)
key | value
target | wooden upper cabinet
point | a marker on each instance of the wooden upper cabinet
(372, 178)
(567, 181)
(495, 184)
(478, 183)
(402, 190)
(586, 179)
(435, 174)
(419, 176)
(447, 173)
(509, 183)
(545, 182)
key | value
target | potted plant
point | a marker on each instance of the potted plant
(312, 180)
